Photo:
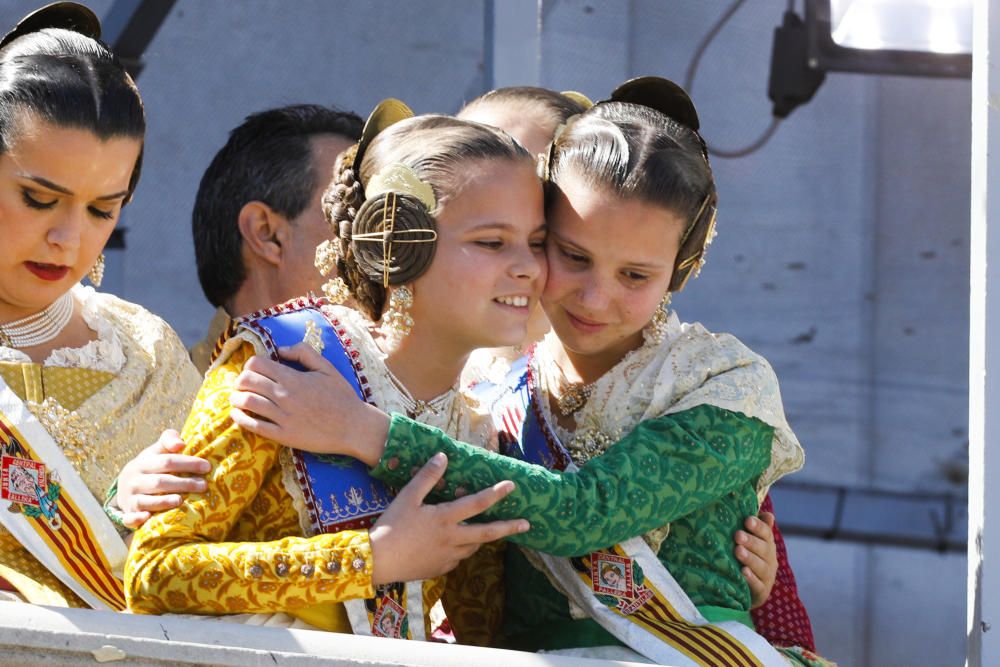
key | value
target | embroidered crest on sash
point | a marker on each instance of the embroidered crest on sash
(389, 619)
(617, 581)
(30, 489)
(55, 519)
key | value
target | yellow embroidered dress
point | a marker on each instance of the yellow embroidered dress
(239, 546)
(102, 403)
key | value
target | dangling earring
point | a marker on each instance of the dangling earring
(656, 330)
(336, 290)
(396, 321)
(96, 273)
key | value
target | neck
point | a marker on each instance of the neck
(423, 364)
(257, 292)
(590, 367)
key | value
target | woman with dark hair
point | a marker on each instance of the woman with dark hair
(84, 376)
(636, 431)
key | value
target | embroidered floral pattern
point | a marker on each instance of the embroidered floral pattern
(238, 546)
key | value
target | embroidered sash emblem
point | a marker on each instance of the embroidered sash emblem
(390, 619)
(618, 582)
(30, 489)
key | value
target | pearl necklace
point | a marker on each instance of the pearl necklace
(38, 328)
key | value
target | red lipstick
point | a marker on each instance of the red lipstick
(49, 272)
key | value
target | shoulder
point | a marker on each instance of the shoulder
(130, 320)
(702, 354)
(150, 345)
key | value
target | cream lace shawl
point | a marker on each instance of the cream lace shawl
(690, 367)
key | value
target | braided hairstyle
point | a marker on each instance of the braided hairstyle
(438, 149)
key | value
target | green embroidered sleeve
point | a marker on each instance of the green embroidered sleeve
(663, 470)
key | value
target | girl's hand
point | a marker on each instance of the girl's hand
(412, 541)
(314, 410)
(756, 551)
(152, 481)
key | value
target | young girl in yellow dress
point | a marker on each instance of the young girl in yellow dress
(439, 239)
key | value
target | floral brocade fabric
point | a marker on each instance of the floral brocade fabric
(695, 469)
(238, 547)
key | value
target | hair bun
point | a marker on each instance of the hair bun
(403, 254)
(660, 94)
(65, 15)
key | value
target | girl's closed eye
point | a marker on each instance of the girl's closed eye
(492, 244)
(31, 200)
(636, 277)
(574, 257)
(105, 215)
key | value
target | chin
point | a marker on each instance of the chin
(498, 337)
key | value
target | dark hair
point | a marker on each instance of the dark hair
(556, 107)
(636, 152)
(438, 149)
(70, 80)
(268, 158)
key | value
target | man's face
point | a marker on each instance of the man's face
(298, 274)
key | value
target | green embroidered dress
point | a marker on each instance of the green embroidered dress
(696, 470)
(676, 443)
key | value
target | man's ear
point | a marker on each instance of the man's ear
(264, 231)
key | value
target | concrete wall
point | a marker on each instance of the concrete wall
(843, 244)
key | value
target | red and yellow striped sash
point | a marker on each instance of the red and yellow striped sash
(634, 598)
(66, 533)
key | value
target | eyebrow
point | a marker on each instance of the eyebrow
(632, 265)
(506, 226)
(44, 182)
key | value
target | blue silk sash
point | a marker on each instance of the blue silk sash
(338, 492)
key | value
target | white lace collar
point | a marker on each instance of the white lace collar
(105, 353)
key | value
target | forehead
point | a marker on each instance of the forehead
(488, 191)
(74, 158)
(621, 229)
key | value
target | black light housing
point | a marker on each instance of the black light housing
(826, 55)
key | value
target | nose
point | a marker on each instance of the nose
(593, 294)
(528, 265)
(66, 228)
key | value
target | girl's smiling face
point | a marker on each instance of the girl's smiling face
(489, 265)
(610, 263)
